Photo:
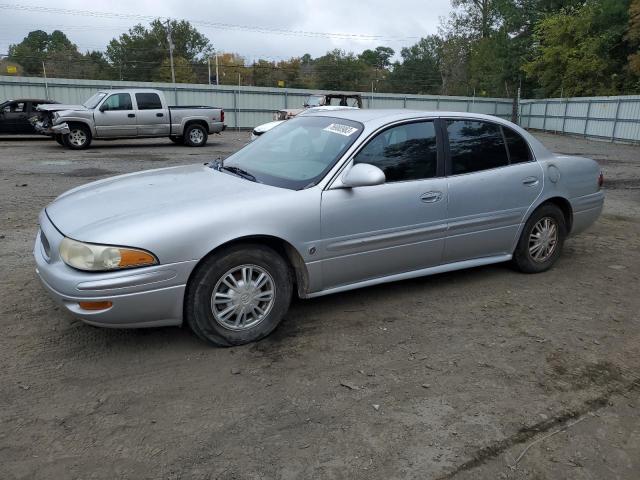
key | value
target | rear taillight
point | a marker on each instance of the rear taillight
(222, 116)
(600, 180)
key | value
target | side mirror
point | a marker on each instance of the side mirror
(103, 107)
(363, 175)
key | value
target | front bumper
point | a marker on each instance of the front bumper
(142, 297)
(62, 129)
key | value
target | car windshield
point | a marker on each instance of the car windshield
(95, 100)
(298, 153)
(314, 100)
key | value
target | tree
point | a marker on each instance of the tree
(39, 46)
(581, 50)
(633, 37)
(338, 70)
(379, 58)
(138, 54)
(419, 70)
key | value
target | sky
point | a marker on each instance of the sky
(359, 24)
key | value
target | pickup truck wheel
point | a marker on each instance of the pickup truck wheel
(195, 136)
(78, 138)
(541, 240)
(238, 295)
(177, 140)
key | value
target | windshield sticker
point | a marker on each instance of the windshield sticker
(345, 130)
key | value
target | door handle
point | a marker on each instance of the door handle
(159, 114)
(431, 197)
(131, 115)
(530, 181)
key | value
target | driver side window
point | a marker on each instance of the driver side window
(406, 152)
(119, 101)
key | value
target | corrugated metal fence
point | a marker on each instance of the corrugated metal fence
(610, 118)
(245, 107)
(616, 119)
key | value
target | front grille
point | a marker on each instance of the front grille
(45, 244)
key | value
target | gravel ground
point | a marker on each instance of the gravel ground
(453, 376)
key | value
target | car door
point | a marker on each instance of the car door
(493, 179)
(151, 120)
(116, 117)
(395, 227)
(15, 114)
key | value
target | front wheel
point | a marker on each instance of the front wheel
(195, 136)
(541, 240)
(238, 295)
(78, 138)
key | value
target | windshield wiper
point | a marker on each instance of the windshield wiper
(240, 172)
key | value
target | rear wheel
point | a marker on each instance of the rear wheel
(78, 138)
(541, 240)
(195, 135)
(238, 295)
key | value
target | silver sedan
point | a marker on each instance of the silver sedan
(324, 203)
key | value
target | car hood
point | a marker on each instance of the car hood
(98, 211)
(56, 107)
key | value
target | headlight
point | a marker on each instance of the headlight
(86, 256)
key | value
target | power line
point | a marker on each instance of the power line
(215, 25)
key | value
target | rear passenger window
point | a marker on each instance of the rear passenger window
(148, 101)
(475, 146)
(405, 152)
(518, 147)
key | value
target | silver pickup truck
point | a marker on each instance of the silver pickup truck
(128, 113)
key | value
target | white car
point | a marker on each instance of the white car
(265, 127)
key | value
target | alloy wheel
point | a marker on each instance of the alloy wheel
(243, 297)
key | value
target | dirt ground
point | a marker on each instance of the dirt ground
(454, 376)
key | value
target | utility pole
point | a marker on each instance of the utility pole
(209, 69)
(217, 75)
(46, 86)
(173, 71)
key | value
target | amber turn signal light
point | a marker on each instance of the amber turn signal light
(135, 258)
(95, 305)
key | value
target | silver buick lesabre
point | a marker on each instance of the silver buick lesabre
(324, 203)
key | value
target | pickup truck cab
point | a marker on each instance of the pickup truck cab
(129, 113)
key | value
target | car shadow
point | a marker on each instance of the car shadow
(302, 318)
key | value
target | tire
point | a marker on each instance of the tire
(177, 140)
(208, 292)
(533, 256)
(58, 138)
(195, 135)
(78, 138)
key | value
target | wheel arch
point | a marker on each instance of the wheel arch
(84, 123)
(285, 249)
(565, 206)
(195, 121)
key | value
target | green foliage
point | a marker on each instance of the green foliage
(137, 54)
(581, 50)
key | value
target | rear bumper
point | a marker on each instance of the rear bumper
(216, 127)
(586, 210)
(141, 297)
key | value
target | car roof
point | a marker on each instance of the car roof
(377, 118)
(366, 115)
(39, 100)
